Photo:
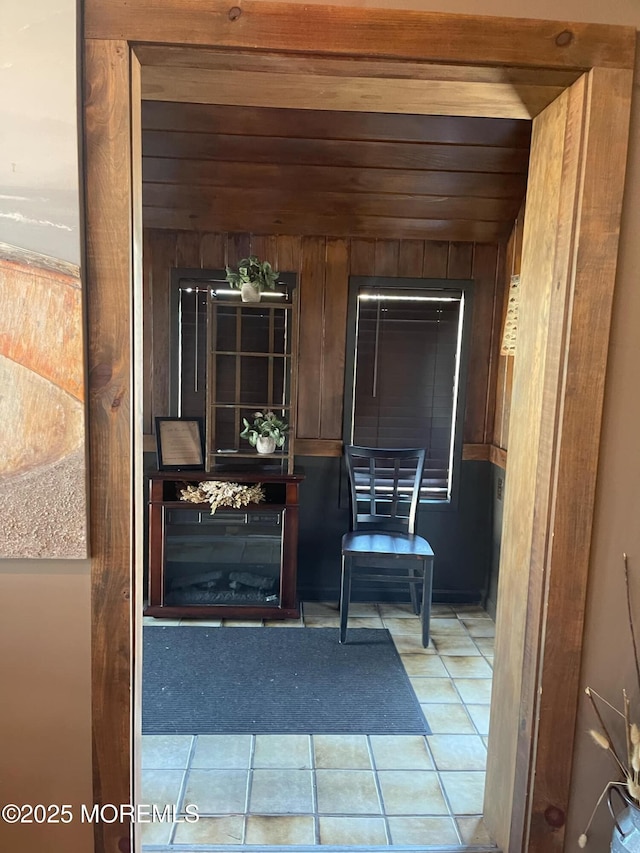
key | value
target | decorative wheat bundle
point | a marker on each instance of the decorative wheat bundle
(219, 493)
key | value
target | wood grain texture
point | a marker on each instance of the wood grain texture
(364, 32)
(529, 451)
(334, 327)
(591, 273)
(109, 241)
(312, 285)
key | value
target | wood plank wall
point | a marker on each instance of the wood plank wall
(323, 265)
(504, 380)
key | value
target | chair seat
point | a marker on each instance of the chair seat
(388, 543)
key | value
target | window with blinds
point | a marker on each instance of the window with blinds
(407, 360)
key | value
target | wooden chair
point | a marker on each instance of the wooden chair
(385, 491)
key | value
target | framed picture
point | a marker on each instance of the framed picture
(180, 444)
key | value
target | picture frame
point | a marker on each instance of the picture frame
(180, 444)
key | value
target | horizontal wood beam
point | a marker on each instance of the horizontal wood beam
(370, 32)
(484, 453)
(341, 225)
(435, 96)
(445, 130)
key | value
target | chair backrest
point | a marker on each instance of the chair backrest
(385, 486)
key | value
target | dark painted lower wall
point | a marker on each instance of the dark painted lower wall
(460, 535)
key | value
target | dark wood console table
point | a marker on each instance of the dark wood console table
(236, 563)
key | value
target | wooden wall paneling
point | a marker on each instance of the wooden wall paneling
(435, 258)
(530, 458)
(410, 258)
(494, 348)
(325, 124)
(460, 260)
(288, 251)
(485, 259)
(362, 256)
(212, 251)
(265, 247)
(386, 257)
(163, 246)
(238, 247)
(188, 250)
(107, 145)
(334, 338)
(312, 288)
(602, 174)
(322, 178)
(353, 31)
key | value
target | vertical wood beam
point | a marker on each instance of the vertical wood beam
(109, 287)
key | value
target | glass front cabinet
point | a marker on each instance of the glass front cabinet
(232, 562)
(229, 360)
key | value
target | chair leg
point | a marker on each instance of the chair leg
(427, 585)
(413, 593)
(345, 595)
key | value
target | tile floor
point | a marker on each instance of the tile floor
(342, 790)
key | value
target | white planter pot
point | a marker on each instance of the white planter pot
(265, 444)
(249, 293)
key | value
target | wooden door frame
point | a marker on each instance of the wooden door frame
(556, 559)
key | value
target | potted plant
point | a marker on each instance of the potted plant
(266, 432)
(251, 277)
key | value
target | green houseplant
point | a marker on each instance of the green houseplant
(266, 432)
(251, 277)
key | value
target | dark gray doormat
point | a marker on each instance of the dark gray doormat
(275, 681)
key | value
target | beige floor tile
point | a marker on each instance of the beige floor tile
(437, 690)
(241, 623)
(341, 752)
(454, 644)
(281, 792)
(217, 792)
(364, 609)
(400, 752)
(347, 792)
(472, 830)
(411, 792)
(474, 691)
(319, 608)
(480, 716)
(211, 830)
(163, 623)
(458, 752)
(466, 666)
(489, 660)
(321, 621)
(283, 623)
(479, 627)
(448, 719)
(276, 831)
(201, 623)
(161, 787)
(464, 610)
(449, 625)
(464, 790)
(404, 626)
(485, 644)
(352, 831)
(423, 831)
(423, 666)
(364, 621)
(216, 752)
(399, 611)
(283, 751)
(410, 644)
(438, 610)
(166, 751)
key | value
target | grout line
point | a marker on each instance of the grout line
(383, 810)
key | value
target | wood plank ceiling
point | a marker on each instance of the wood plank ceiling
(265, 170)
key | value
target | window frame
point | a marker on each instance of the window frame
(462, 287)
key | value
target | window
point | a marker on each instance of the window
(405, 380)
